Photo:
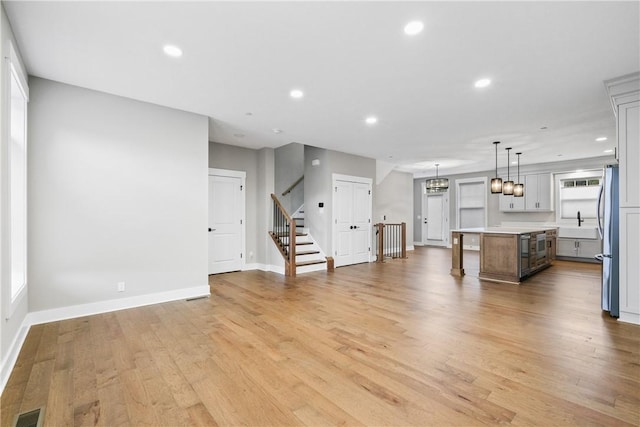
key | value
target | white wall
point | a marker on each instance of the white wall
(11, 333)
(117, 192)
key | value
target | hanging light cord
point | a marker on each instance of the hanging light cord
(508, 151)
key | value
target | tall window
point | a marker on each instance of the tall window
(17, 175)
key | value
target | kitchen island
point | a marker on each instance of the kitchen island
(507, 254)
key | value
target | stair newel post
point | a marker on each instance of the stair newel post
(292, 247)
(404, 240)
(380, 256)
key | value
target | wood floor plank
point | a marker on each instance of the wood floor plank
(397, 343)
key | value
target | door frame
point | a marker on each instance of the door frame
(445, 217)
(243, 212)
(334, 230)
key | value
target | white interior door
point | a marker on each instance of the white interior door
(226, 223)
(435, 219)
(352, 221)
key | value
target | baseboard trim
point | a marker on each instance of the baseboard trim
(10, 359)
(71, 312)
(629, 318)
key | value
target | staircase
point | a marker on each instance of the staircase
(305, 255)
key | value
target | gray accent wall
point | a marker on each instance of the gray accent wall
(117, 192)
(318, 182)
(223, 156)
(289, 166)
(394, 201)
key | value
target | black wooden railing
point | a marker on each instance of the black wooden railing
(283, 233)
(391, 241)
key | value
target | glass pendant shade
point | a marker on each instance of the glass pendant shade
(507, 186)
(518, 189)
(496, 183)
(437, 184)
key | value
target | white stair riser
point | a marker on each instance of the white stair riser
(311, 268)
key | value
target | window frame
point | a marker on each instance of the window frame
(15, 73)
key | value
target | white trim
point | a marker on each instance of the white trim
(11, 357)
(445, 217)
(629, 318)
(71, 312)
(242, 175)
(64, 313)
(334, 231)
(480, 179)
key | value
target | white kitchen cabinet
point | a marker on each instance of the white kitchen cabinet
(537, 192)
(629, 265)
(629, 149)
(511, 204)
(585, 249)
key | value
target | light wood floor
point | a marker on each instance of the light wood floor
(402, 343)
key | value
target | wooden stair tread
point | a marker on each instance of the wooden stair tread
(307, 252)
(287, 234)
(317, 261)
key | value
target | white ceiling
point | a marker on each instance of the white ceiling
(547, 62)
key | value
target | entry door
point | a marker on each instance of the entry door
(352, 222)
(435, 219)
(226, 223)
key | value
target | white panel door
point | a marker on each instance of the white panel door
(352, 222)
(343, 199)
(434, 219)
(361, 234)
(225, 223)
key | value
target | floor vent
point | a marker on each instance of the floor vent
(30, 419)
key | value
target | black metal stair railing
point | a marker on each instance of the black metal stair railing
(283, 233)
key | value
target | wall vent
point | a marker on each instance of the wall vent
(30, 419)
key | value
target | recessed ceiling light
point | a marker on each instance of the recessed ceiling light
(296, 93)
(371, 120)
(239, 135)
(608, 151)
(172, 50)
(276, 130)
(482, 83)
(602, 138)
(543, 128)
(413, 28)
(248, 113)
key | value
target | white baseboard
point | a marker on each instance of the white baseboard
(63, 313)
(10, 359)
(629, 317)
(411, 247)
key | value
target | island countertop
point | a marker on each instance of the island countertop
(503, 230)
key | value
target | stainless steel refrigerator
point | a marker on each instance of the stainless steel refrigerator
(608, 226)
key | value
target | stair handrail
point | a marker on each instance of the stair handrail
(290, 253)
(292, 186)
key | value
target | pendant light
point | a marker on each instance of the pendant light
(437, 185)
(518, 189)
(496, 183)
(507, 186)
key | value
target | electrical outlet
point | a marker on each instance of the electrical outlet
(120, 286)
